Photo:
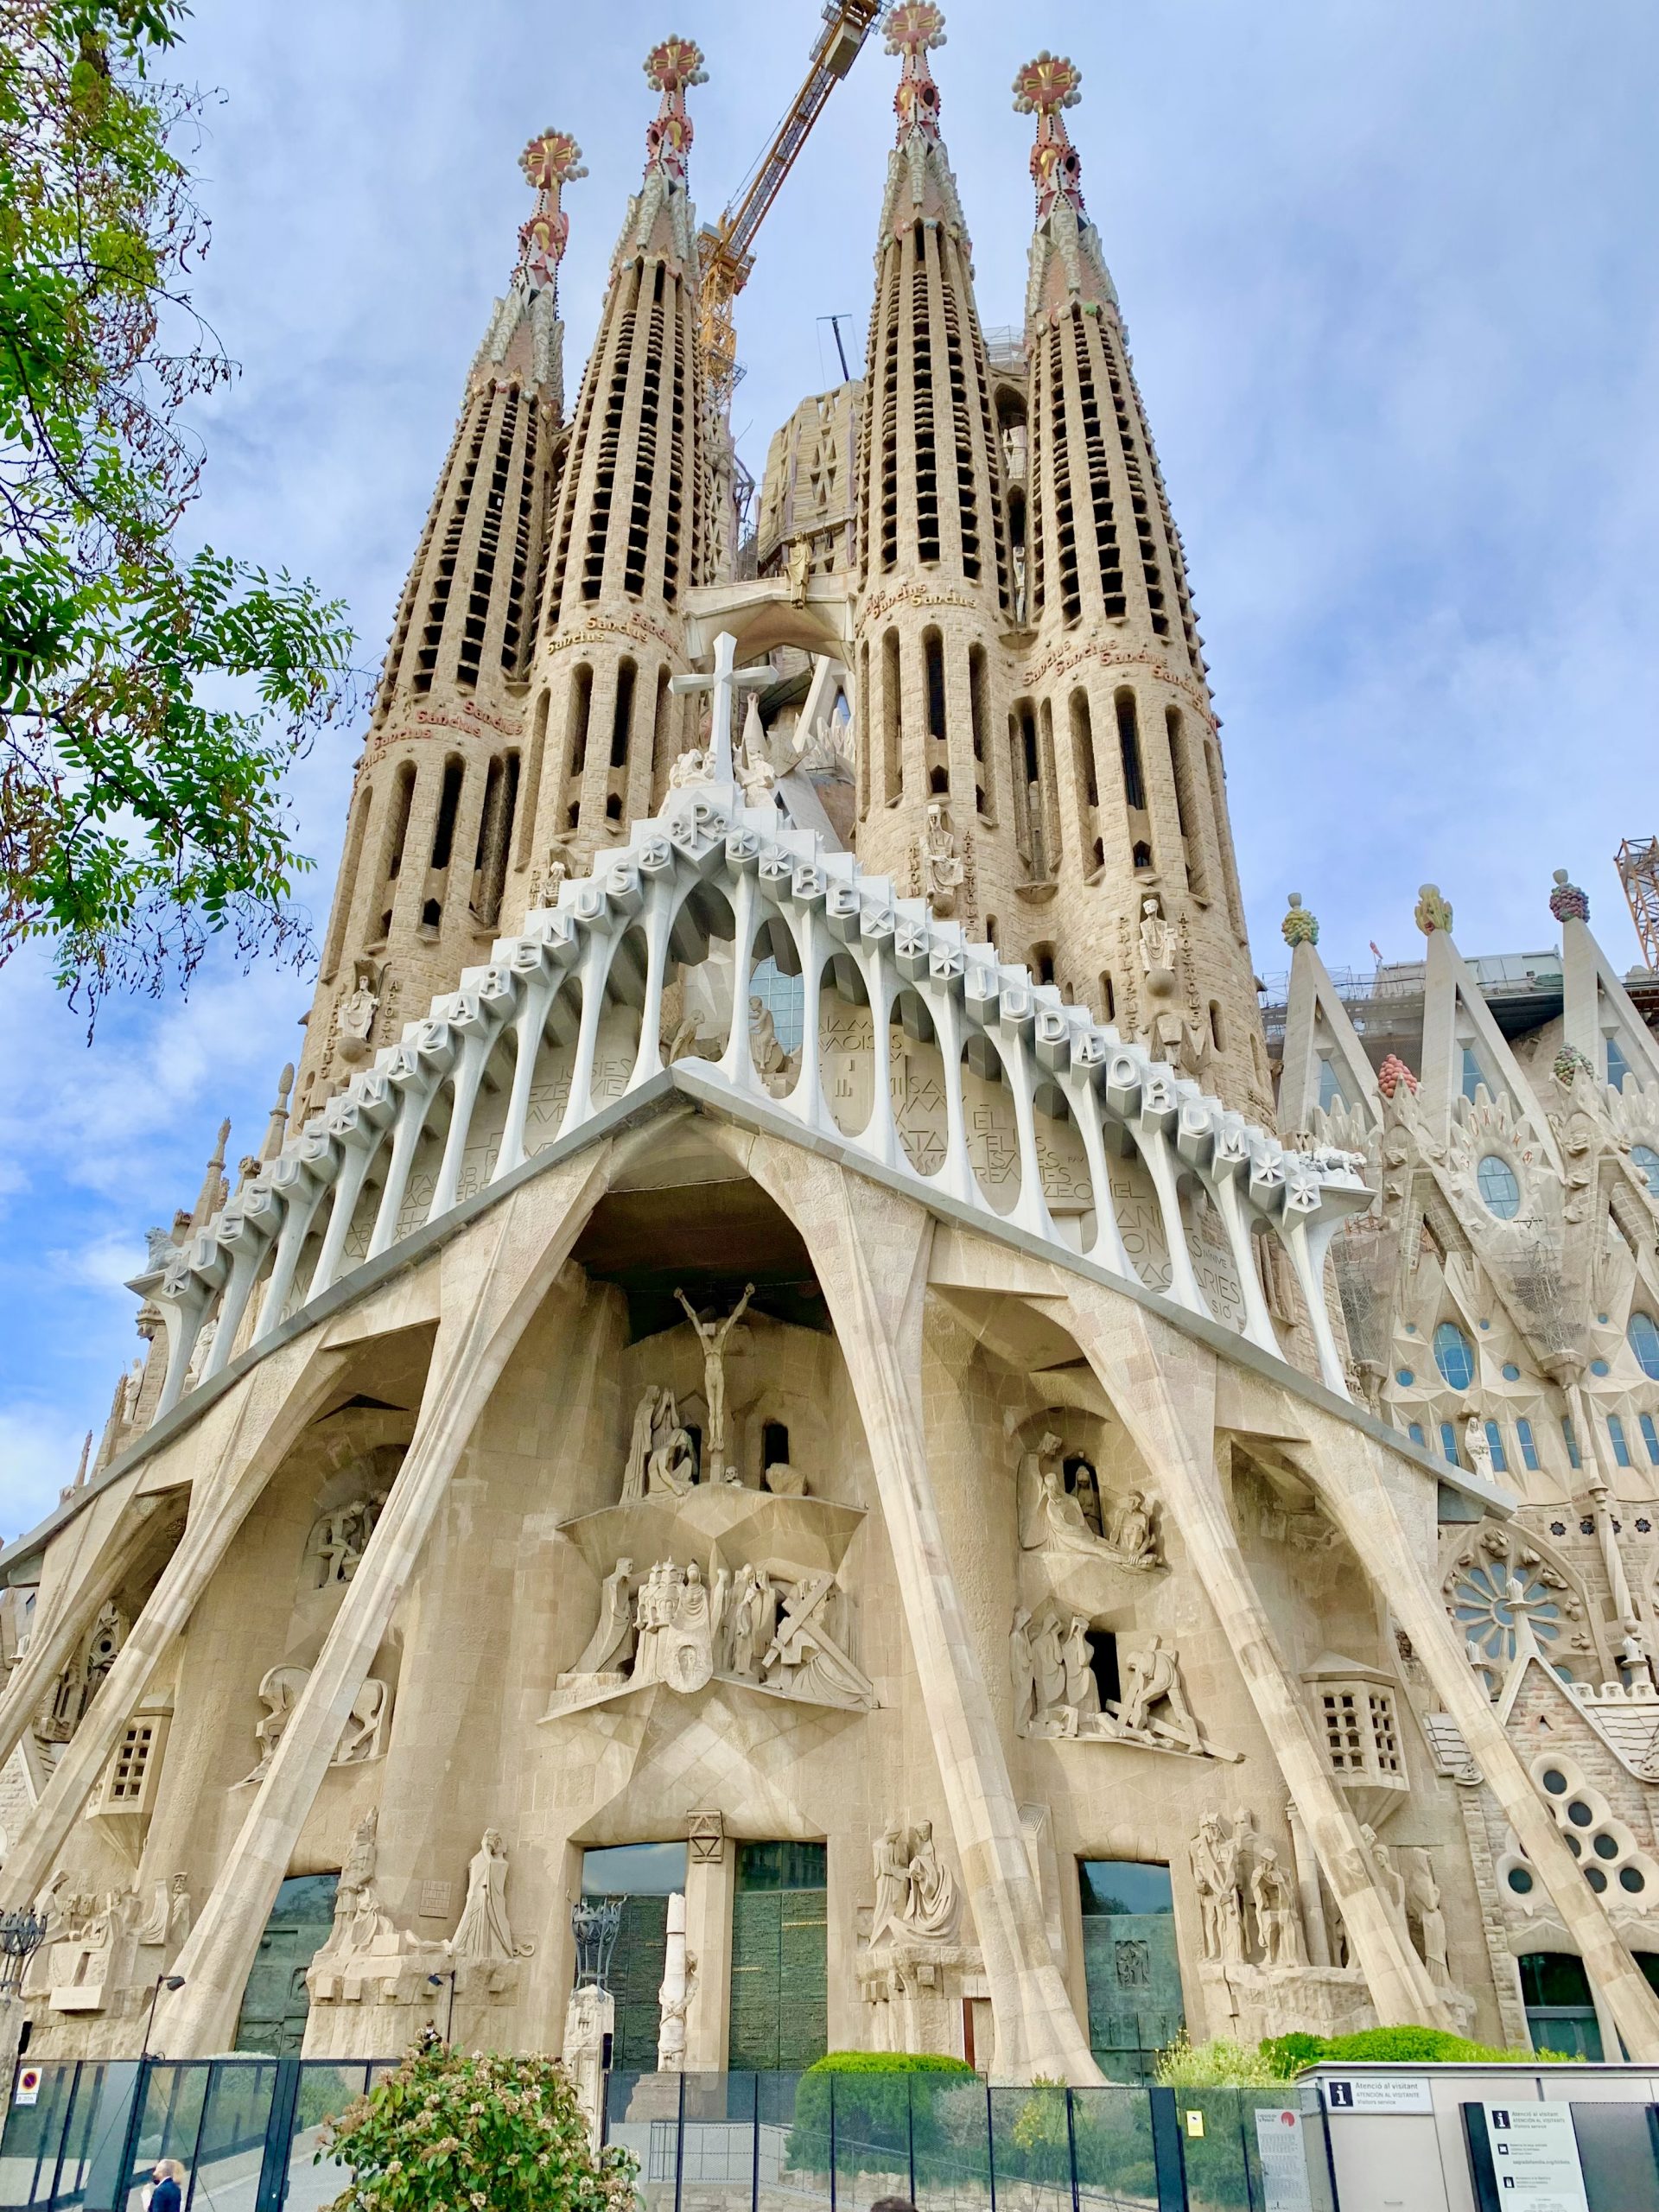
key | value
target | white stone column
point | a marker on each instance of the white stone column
(709, 1884)
(240, 1444)
(871, 1246)
(1162, 1387)
(494, 1277)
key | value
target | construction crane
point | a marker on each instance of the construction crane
(1638, 862)
(726, 246)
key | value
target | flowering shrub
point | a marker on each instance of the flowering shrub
(445, 2132)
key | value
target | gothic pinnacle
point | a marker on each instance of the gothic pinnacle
(1043, 88)
(551, 161)
(913, 29)
(671, 67)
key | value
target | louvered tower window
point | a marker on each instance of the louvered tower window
(644, 449)
(926, 453)
(1098, 478)
(489, 546)
(598, 517)
(437, 605)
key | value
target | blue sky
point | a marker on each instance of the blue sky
(1390, 269)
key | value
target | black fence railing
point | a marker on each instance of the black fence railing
(249, 2133)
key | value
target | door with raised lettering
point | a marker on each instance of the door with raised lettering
(276, 2003)
(780, 2014)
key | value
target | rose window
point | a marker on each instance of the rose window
(1489, 1600)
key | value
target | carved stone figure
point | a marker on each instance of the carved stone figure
(1423, 1902)
(754, 1617)
(354, 1017)
(1052, 1519)
(671, 1469)
(916, 1894)
(132, 1383)
(1278, 1924)
(689, 767)
(168, 1922)
(785, 1481)
(678, 1986)
(1153, 1705)
(360, 1739)
(942, 866)
(805, 1657)
(1203, 1856)
(1475, 1443)
(279, 1690)
(340, 1537)
(485, 1934)
(1082, 1691)
(642, 1441)
(1022, 1665)
(1086, 1490)
(714, 1337)
(1158, 941)
(612, 1641)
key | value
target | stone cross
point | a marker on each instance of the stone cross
(726, 681)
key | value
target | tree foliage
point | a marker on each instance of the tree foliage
(445, 2132)
(151, 697)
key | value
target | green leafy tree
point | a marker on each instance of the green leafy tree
(151, 697)
(445, 2132)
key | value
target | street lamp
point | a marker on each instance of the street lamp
(162, 1981)
(435, 1981)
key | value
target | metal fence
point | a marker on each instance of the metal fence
(248, 2133)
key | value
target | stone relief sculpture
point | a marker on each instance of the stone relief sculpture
(916, 1894)
(1055, 1520)
(682, 1627)
(340, 1537)
(484, 1934)
(647, 1431)
(360, 1739)
(942, 866)
(1231, 1869)
(679, 1984)
(613, 1641)
(783, 1480)
(1278, 1920)
(1050, 1658)
(1165, 1033)
(714, 1337)
(168, 1921)
(355, 1016)
(61, 1713)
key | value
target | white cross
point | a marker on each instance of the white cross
(725, 683)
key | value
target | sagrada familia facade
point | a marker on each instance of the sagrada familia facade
(799, 1436)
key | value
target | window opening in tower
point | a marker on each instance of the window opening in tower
(1128, 741)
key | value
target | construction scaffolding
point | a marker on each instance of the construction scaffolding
(1638, 862)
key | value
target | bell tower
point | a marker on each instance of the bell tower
(435, 820)
(934, 586)
(632, 533)
(1120, 793)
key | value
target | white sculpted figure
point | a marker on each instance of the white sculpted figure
(642, 1441)
(916, 1894)
(1022, 1663)
(712, 1335)
(690, 767)
(942, 867)
(1203, 1855)
(484, 1934)
(1152, 1680)
(1053, 1519)
(804, 1658)
(1278, 1926)
(1475, 1443)
(279, 1690)
(1082, 1691)
(1157, 940)
(354, 1019)
(611, 1644)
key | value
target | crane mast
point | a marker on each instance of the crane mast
(728, 245)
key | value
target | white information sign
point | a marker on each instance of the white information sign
(1373, 2092)
(1284, 2161)
(1536, 2157)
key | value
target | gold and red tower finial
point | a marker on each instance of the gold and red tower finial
(1043, 88)
(914, 28)
(671, 67)
(551, 161)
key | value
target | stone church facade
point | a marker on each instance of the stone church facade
(791, 1357)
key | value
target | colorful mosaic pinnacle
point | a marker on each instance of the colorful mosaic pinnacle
(1566, 901)
(1432, 912)
(1043, 88)
(670, 68)
(913, 30)
(551, 161)
(1299, 926)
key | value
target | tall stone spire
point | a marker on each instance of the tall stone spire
(630, 535)
(1120, 789)
(436, 811)
(933, 572)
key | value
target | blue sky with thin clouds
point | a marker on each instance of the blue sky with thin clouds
(1389, 271)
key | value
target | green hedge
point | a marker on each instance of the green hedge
(875, 2130)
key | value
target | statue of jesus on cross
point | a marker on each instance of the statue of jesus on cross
(725, 683)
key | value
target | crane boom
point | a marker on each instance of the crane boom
(727, 255)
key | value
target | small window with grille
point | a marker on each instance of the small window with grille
(1359, 1721)
(129, 1782)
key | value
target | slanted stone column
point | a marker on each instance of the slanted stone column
(871, 1248)
(1352, 1474)
(72, 1612)
(1163, 1386)
(709, 1884)
(257, 1424)
(493, 1277)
